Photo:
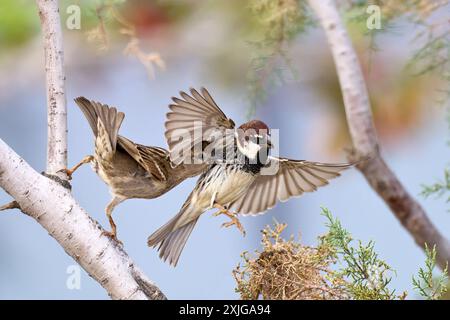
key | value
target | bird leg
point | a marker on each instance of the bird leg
(109, 209)
(233, 216)
(69, 172)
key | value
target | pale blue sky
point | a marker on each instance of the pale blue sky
(33, 265)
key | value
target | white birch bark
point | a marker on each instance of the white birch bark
(54, 208)
(55, 82)
(359, 118)
(48, 200)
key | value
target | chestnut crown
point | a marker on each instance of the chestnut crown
(255, 125)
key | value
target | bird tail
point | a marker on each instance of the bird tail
(110, 119)
(171, 238)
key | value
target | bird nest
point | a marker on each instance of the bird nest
(287, 270)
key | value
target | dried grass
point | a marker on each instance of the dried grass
(287, 270)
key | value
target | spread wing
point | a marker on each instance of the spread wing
(293, 178)
(153, 159)
(196, 112)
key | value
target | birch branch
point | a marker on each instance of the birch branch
(54, 208)
(362, 130)
(55, 82)
(47, 199)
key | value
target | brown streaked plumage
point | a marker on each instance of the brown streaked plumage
(130, 170)
(240, 185)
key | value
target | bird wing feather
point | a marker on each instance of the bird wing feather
(152, 159)
(186, 116)
(292, 179)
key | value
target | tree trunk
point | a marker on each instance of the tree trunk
(362, 130)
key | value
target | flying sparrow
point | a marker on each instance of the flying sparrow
(130, 170)
(238, 183)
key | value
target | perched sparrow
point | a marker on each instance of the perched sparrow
(130, 170)
(237, 184)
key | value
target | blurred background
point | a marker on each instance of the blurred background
(256, 59)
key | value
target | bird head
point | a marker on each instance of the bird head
(253, 136)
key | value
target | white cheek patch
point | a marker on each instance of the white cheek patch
(250, 150)
(247, 148)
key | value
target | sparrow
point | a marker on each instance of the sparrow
(239, 184)
(130, 170)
